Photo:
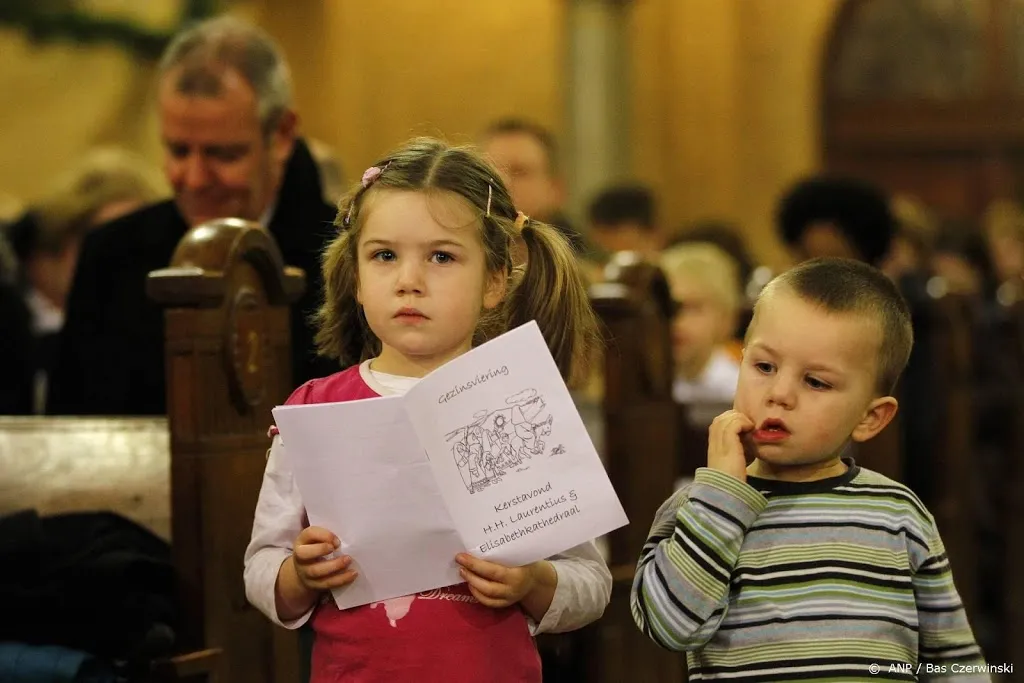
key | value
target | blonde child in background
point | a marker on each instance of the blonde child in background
(705, 285)
(420, 272)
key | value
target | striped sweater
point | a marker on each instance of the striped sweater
(815, 581)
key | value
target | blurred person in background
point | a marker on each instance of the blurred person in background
(835, 216)
(705, 287)
(752, 278)
(960, 256)
(910, 250)
(1004, 236)
(230, 136)
(624, 218)
(105, 184)
(526, 154)
(16, 375)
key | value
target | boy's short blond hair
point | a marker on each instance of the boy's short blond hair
(847, 286)
(708, 264)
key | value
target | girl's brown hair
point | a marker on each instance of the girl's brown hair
(549, 287)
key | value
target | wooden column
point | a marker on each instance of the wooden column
(227, 295)
(596, 148)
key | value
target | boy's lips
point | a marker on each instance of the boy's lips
(771, 431)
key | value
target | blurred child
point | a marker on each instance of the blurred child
(705, 287)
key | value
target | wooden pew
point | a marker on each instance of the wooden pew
(641, 441)
(56, 465)
(195, 475)
(945, 339)
(1014, 519)
(953, 470)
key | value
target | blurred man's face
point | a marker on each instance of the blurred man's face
(526, 169)
(218, 160)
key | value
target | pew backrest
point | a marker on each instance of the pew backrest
(226, 295)
(59, 465)
(1014, 518)
(642, 429)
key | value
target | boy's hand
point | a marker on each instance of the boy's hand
(314, 571)
(726, 443)
(496, 585)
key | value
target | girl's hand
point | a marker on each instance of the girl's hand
(726, 443)
(315, 571)
(496, 585)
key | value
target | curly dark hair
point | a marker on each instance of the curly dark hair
(857, 208)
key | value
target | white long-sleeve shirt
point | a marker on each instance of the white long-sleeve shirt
(583, 586)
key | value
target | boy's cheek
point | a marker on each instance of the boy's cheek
(748, 394)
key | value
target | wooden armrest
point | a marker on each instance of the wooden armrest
(189, 666)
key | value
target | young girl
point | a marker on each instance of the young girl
(420, 272)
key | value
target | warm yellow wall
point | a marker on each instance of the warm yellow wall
(723, 112)
(371, 74)
(59, 100)
(367, 74)
(725, 106)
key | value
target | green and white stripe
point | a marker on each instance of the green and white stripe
(774, 581)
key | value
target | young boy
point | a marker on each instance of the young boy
(803, 565)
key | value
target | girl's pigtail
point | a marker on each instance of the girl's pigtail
(342, 331)
(552, 291)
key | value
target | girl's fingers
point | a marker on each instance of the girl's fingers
(309, 553)
(491, 589)
(339, 580)
(319, 570)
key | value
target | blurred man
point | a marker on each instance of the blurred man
(623, 218)
(15, 338)
(231, 150)
(526, 154)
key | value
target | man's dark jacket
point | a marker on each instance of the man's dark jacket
(111, 351)
(17, 364)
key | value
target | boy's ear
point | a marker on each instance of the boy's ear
(494, 288)
(880, 413)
